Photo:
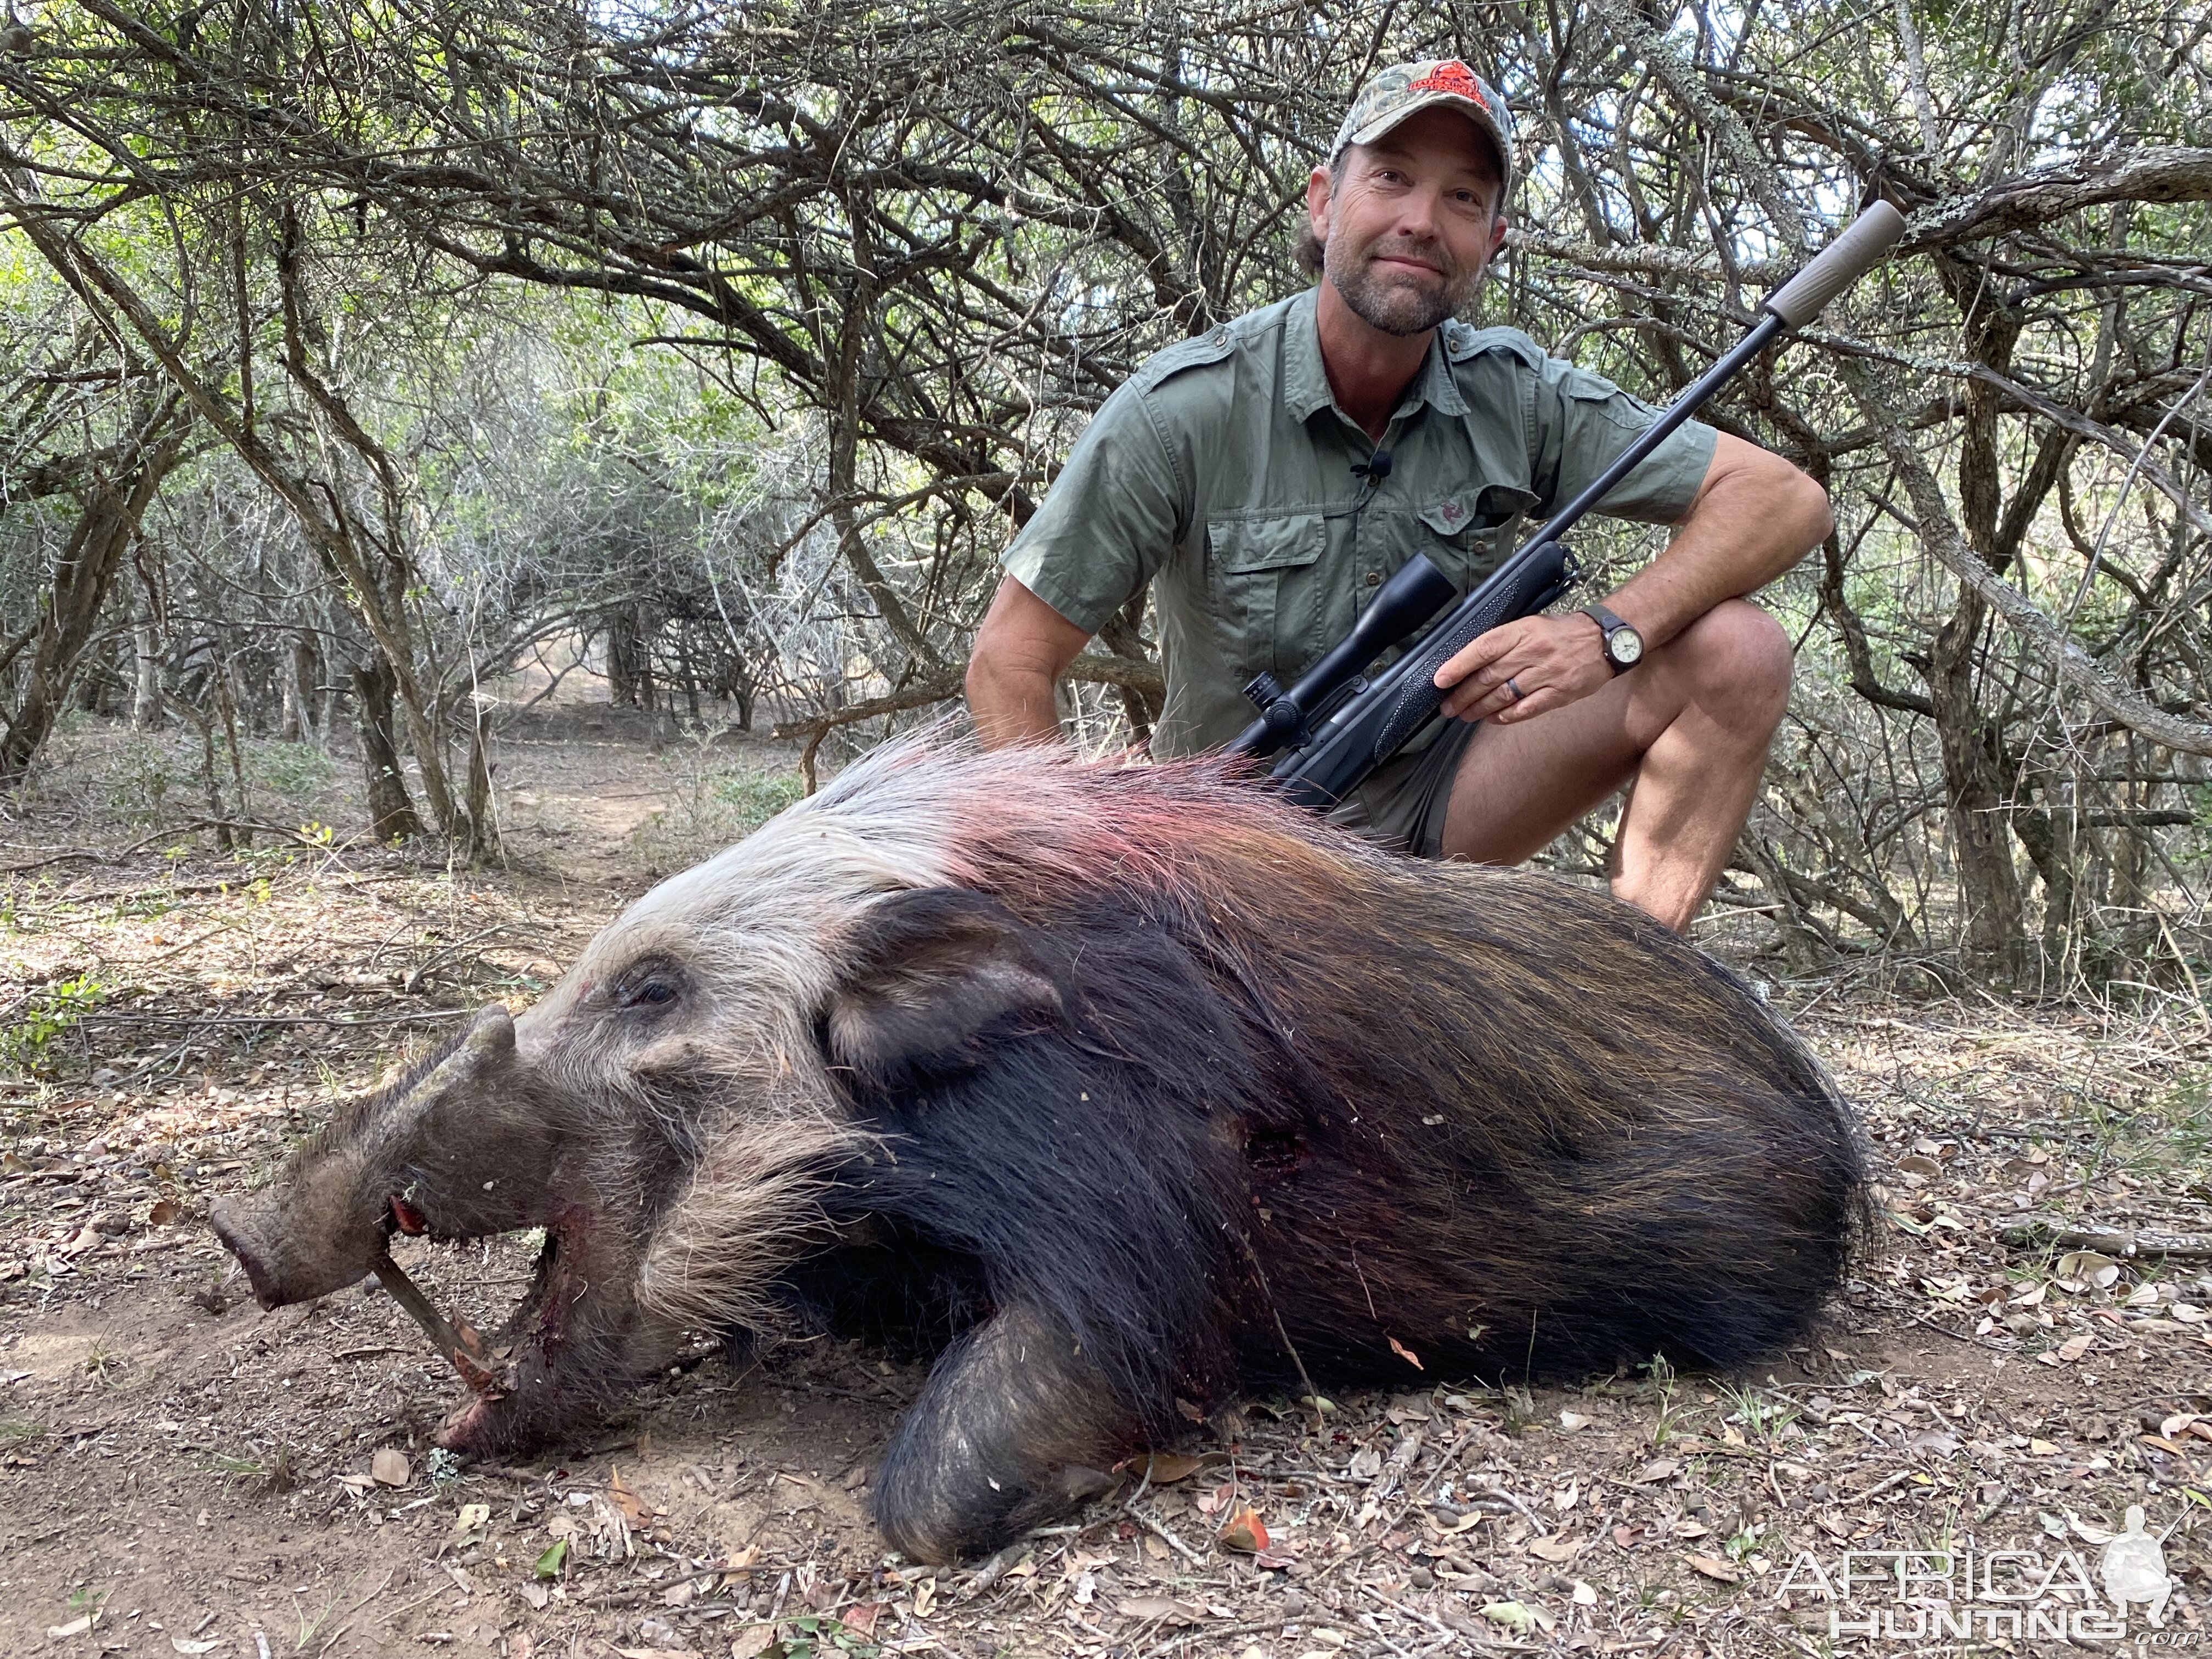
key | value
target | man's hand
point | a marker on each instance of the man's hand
(1550, 661)
(1754, 516)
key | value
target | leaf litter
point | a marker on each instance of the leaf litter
(2026, 1346)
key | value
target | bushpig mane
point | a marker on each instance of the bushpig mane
(1243, 1043)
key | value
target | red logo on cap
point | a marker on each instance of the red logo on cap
(1453, 77)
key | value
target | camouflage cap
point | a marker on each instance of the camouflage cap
(1405, 89)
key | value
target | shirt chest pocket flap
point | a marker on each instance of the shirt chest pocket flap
(1475, 528)
(1266, 601)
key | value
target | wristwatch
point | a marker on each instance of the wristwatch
(1624, 645)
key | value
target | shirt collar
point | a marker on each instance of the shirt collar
(1305, 380)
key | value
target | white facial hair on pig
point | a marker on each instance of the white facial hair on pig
(755, 930)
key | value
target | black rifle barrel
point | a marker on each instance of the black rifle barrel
(1372, 726)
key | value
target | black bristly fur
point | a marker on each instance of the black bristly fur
(1142, 1145)
(1083, 1176)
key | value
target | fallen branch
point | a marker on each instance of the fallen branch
(2113, 1241)
(96, 857)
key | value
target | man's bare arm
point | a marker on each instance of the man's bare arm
(1754, 516)
(1021, 651)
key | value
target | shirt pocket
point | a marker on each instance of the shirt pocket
(1471, 532)
(1267, 602)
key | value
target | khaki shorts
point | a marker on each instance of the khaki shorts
(1402, 807)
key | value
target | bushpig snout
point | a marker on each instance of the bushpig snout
(326, 1218)
(295, 1249)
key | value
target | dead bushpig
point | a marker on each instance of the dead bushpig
(1125, 1086)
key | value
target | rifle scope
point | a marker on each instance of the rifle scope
(1416, 593)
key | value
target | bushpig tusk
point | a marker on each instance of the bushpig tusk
(461, 1345)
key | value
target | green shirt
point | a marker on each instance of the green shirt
(1221, 470)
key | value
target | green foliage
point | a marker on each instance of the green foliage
(813, 1635)
(44, 1019)
(297, 773)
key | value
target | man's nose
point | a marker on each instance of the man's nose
(1419, 214)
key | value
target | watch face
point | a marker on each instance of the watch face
(1625, 646)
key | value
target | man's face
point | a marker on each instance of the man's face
(1411, 226)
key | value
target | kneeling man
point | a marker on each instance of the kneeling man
(1270, 474)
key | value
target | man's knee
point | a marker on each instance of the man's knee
(1736, 661)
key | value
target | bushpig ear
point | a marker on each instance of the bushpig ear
(936, 976)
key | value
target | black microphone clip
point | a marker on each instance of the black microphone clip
(1374, 468)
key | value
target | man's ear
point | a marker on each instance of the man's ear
(1318, 188)
(934, 977)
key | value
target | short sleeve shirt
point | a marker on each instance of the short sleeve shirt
(1222, 471)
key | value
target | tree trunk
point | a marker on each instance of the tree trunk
(239, 694)
(295, 666)
(90, 692)
(628, 685)
(391, 814)
(483, 822)
(1981, 839)
(81, 578)
(146, 701)
(333, 683)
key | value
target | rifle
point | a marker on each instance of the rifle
(1337, 725)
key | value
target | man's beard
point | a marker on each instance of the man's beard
(1386, 303)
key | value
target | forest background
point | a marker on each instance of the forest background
(355, 359)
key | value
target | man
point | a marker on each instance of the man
(1270, 474)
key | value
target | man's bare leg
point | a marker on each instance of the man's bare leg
(1688, 728)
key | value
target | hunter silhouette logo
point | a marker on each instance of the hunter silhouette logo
(1454, 77)
(2134, 1569)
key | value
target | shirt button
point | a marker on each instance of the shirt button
(1375, 579)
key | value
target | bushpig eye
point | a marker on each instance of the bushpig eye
(651, 995)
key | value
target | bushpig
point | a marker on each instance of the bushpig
(1125, 1089)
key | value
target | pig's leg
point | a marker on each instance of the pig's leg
(578, 1338)
(1009, 1432)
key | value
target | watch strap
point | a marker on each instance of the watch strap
(1608, 626)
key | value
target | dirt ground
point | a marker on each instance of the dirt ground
(2026, 1352)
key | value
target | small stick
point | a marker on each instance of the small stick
(450, 1342)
